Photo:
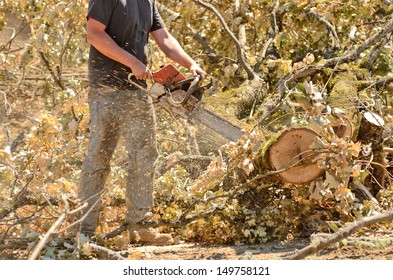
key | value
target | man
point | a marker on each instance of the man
(118, 31)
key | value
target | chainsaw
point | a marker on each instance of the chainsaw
(183, 96)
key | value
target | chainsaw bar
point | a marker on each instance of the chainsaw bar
(217, 124)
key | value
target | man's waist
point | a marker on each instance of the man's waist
(120, 82)
(113, 92)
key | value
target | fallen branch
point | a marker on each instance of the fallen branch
(352, 56)
(177, 224)
(341, 234)
(16, 244)
(376, 51)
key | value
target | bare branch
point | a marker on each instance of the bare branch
(331, 28)
(240, 53)
(351, 56)
(273, 21)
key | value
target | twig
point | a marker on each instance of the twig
(330, 27)
(105, 253)
(58, 81)
(240, 53)
(341, 234)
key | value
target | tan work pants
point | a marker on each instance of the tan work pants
(115, 114)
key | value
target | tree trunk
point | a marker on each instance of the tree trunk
(370, 132)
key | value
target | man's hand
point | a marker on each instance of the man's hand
(196, 70)
(141, 72)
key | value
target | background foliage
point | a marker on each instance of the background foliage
(44, 118)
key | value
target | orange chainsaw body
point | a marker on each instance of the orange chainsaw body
(168, 75)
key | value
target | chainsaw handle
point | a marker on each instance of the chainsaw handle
(193, 87)
(129, 79)
(182, 82)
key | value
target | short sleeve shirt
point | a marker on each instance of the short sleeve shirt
(129, 23)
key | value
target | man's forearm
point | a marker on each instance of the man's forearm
(97, 36)
(171, 48)
(175, 52)
(105, 45)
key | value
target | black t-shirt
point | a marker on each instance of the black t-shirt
(129, 23)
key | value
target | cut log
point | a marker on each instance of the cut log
(292, 152)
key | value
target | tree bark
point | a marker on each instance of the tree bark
(370, 132)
